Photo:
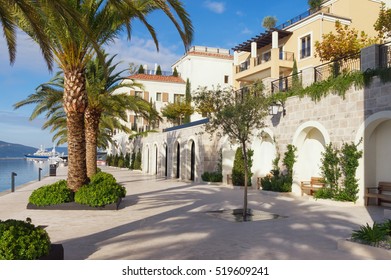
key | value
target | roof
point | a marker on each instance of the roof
(262, 40)
(157, 78)
(211, 54)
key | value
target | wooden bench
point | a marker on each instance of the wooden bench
(312, 186)
(378, 193)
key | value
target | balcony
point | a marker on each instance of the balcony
(261, 67)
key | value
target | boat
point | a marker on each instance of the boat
(42, 154)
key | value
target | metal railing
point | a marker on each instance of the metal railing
(337, 67)
(244, 66)
(302, 16)
(286, 83)
(163, 73)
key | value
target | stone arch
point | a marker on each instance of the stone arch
(155, 159)
(145, 159)
(165, 158)
(310, 139)
(264, 153)
(374, 138)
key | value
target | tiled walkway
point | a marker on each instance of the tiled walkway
(167, 219)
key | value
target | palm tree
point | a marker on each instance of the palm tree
(25, 12)
(73, 46)
(102, 101)
(103, 115)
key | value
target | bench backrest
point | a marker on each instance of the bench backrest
(319, 181)
(385, 186)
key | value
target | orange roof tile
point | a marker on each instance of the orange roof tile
(157, 78)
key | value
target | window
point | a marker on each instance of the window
(226, 79)
(281, 53)
(139, 94)
(158, 96)
(305, 49)
(178, 98)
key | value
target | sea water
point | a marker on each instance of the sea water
(26, 170)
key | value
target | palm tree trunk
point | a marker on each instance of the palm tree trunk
(75, 104)
(91, 118)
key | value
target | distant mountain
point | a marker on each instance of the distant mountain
(14, 150)
(8, 150)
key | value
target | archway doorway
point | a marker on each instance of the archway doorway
(178, 160)
(192, 161)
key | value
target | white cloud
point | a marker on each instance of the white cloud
(214, 6)
(246, 31)
(143, 51)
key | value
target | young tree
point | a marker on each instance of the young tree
(188, 100)
(344, 43)
(314, 5)
(383, 22)
(175, 73)
(141, 69)
(159, 70)
(269, 22)
(237, 115)
(177, 111)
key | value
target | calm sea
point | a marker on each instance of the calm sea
(26, 171)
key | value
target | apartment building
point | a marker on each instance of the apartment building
(202, 66)
(270, 56)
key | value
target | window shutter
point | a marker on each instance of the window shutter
(165, 97)
(132, 93)
(146, 96)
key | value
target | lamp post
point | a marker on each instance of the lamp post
(39, 173)
(13, 174)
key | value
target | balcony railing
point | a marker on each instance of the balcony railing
(154, 72)
(286, 83)
(335, 68)
(244, 65)
(302, 16)
(261, 59)
(289, 56)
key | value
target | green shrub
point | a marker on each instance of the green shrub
(51, 194)
(324, 193)
(212, 177)
(238, 168)
(137, 161)
(277, 183)
(97, 195)
(20, 240)
(101, 177)
(370, 235)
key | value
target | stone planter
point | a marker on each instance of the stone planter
(56, 253)
(365, 251)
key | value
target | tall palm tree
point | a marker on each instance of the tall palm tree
(72, 47)
(104, 113)
(102, 101)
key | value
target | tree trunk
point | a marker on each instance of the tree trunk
(92, 118)
(75, 103)
(245, 182)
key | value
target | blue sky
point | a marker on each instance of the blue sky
(220, 23)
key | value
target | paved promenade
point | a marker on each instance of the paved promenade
(166, 219)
